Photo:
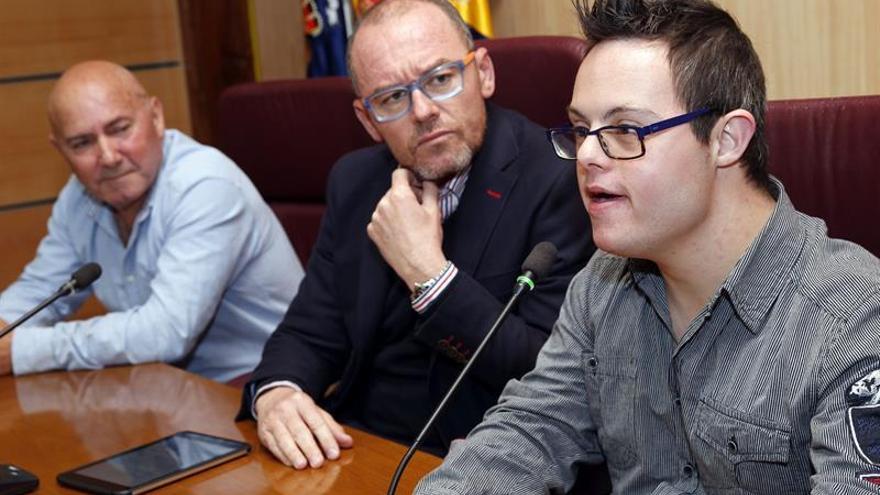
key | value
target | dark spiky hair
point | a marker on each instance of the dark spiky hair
(713, 62)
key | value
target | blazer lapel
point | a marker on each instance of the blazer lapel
(488, 188)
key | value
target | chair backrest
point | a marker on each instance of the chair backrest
(535, 74)
(287, 134)
(826, 151)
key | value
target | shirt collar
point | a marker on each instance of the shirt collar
(757, 279)
(450, 193)
(761, 273)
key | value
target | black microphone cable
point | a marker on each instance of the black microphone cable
(536, 266)
(81, 279)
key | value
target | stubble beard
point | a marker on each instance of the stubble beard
(447, 165)
(445, 160)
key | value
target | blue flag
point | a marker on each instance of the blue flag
(327, 24)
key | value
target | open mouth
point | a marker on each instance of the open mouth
(600, 195)
(603, 197)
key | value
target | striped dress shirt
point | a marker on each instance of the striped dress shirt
(753, 399)
(447, 199)
(450, 194)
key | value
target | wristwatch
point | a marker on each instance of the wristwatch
(422, 287)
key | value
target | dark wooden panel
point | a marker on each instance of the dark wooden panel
(39, 36)
(217, 48)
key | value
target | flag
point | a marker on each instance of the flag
(476, 14)
(327, 24)
(361, 6)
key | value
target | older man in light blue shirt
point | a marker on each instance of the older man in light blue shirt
(197, 269)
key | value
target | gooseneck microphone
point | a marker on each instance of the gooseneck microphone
(80, 279)
(536, 266)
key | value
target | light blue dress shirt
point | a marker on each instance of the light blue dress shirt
(206, 277)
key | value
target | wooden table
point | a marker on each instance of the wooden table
(53, 422)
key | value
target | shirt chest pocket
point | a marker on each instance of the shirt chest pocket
(748, 453)
(610, 387)
(136, 282)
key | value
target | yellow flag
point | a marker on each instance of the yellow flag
(361, 6)
(476, 14)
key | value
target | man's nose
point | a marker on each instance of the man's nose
(107, 153)
(591, 153)
(423, 108)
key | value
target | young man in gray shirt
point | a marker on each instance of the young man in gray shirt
(719, 341)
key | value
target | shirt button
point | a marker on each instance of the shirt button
(687, 470)
(677, 401)
(732, 447)
(130, 279)
(592, 362)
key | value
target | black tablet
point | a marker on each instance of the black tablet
(154, 464)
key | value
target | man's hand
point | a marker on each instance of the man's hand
(5, 352)
(292, 427)
(408, 229)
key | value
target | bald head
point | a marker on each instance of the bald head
(391, 11)
(87, 80)
(109, 132)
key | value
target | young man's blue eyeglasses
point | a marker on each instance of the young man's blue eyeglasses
(621, 142)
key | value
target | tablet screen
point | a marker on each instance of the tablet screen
(174, 454)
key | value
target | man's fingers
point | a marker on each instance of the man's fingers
(278, 440)
(305, 442)
(294, 455)
(268, 441)
(292, 426)
(430, 193)
(402, 179)
(342, 438)
(317, 423)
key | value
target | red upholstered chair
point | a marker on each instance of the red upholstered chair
(287, 134)
(827, 153)
(535, 74)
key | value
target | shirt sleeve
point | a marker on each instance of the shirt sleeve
(852, 353)
(205, 236)
(55, 261)
(459, 318)
(532, 441)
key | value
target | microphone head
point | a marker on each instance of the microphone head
(85, 275)
(540, 260)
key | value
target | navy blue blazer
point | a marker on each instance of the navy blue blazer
(518, 194)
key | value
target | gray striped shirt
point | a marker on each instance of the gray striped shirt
(751, 400)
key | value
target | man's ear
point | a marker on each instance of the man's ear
(157, 115)
(486, 72)
(54, 141)
(734, 132)
(363, 116)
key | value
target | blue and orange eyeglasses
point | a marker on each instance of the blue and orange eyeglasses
(440, 83)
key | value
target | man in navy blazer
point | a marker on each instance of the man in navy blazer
(419, 249)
